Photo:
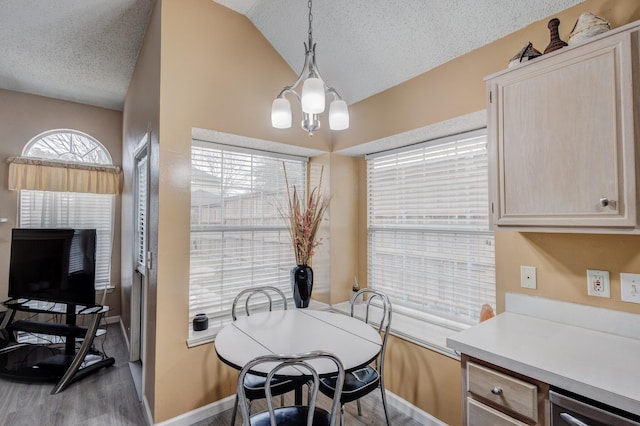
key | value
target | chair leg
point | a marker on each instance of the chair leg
(384, 404)
(359, 407)
(235, 410)
(341, 414)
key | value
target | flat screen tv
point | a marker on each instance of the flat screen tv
(56, 265)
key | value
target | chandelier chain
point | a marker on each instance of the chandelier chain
(310, 19)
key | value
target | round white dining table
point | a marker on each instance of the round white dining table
(292, 331)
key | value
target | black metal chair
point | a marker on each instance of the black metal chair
(295, 415)
(254, 384)
(361, 382)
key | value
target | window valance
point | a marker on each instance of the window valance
(51, 175)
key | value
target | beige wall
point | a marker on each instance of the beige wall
(26, 116)
(218, 72)
(341, 184)
(141, 116)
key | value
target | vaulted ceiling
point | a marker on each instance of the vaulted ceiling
(85, 50)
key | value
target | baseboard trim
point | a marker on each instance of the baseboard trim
(111, 320)
(417, 414)
(199, 414)
(147, 411)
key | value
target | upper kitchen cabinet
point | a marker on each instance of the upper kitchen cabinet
(562, 138)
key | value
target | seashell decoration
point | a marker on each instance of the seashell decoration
(526, 53)
(587, 26)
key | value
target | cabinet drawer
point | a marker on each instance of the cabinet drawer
(505, 391)
(479, 414)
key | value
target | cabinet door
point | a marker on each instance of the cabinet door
(562, 138)
(479, 414)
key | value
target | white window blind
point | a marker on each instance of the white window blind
(430, 248)
(48, 209)
(238, 237)
(141, 212)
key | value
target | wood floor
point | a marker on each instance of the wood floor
(372, 413)
(108, 398)
(105, 398)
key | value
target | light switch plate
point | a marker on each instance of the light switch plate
(630, 287)
(528, 277)
(598, 283)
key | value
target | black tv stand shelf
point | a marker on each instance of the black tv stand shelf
(48, 328)
(61, 361)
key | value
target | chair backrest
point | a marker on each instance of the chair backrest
(298, 365)
(270, 293)
(374, 303)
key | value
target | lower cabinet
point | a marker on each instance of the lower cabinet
(480, 414)
(496, 396)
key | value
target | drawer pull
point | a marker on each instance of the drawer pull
(496, 391)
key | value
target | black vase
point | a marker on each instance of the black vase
(301, 285)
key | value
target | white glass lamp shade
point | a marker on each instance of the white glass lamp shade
(338, 115)
(281, 113)
(313, 96)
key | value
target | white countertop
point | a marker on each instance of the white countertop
(596, 364)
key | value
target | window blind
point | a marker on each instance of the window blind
(47, 209)
(238, 237)
(141, 213)
(430, 248)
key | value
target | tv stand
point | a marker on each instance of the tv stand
(52, 361)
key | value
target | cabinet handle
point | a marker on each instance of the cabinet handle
(604, 202)
(496, 391)
(570, 420)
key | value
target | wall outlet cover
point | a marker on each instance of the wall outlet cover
(598, 283)
(528, 277)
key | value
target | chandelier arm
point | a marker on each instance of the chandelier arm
(289, 89)
(335, 93)
(301, 77)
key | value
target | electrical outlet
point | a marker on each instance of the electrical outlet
(528, 277)
(630, 287)
(598, 283)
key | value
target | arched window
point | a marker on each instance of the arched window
(80, 210)
(67, 145)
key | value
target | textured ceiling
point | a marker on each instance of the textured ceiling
(78, 50)
(85, 50)
(367, 46)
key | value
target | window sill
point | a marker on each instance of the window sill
(421, 332)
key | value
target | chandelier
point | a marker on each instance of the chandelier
(312, 100)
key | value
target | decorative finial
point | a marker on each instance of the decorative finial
(555, 43)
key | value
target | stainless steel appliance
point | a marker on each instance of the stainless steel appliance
(572, 410)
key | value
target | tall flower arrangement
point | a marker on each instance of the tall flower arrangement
(304, 217)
